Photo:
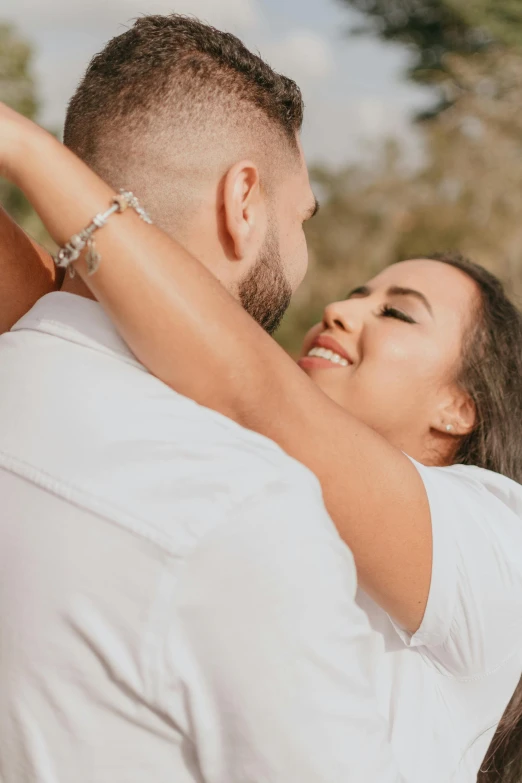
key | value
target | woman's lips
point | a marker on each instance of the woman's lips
(325, 353)
(325, 341)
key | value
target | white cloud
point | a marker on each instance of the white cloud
(377, 116)
(303, 55)
(57, 83)
(337, 132)
(98, 15)
(339, 125)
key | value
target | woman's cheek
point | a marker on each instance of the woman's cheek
(413, 355)
(394, 352)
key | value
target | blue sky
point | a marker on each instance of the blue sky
(353, 87)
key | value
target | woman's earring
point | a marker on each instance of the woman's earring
(449, 427)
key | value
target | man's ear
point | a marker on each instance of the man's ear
(456, 415)
(244, 210)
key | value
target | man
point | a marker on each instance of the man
(158, 622)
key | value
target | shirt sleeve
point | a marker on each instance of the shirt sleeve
(276, 652)
(472, 621)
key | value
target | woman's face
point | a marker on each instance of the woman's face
(388, 353)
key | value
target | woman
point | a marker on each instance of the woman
(424, 360)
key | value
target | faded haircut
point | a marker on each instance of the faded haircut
(173, 98)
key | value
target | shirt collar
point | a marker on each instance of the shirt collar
(78, 320)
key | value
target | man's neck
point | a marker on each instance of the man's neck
(75, 285)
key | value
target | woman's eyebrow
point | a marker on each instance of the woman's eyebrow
(398, 291)
(362, 290)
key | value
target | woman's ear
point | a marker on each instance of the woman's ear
(244, 210)
(457, 414)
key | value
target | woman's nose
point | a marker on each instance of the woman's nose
(338, 315)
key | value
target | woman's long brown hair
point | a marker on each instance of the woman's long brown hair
(491, 372)
(503, 762)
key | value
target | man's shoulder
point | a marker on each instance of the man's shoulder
(109, 436)
(85, 389)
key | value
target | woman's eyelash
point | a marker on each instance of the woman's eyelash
(392, 312)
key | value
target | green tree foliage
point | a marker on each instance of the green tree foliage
(500, 20)
(16, 81)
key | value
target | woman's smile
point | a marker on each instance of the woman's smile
(326, 353)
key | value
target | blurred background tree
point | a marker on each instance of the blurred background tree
(467, 194)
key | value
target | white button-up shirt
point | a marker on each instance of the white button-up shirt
(175, 603)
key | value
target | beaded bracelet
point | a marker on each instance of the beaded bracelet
(71, 250)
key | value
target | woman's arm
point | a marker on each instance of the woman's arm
(27, 272)
(154, 290)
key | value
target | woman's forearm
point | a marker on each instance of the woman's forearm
(189, 331)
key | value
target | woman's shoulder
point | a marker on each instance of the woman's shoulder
(503, 488)
(471, 622)
(474, 487)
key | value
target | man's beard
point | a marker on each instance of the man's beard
(266, 293)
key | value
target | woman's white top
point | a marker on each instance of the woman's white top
(445, 688)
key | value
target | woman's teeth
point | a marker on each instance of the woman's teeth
(325, 353)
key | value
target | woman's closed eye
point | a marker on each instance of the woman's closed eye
(392, 312)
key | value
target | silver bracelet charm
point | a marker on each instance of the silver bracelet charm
(70, 252)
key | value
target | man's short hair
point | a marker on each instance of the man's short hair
(174, 84)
